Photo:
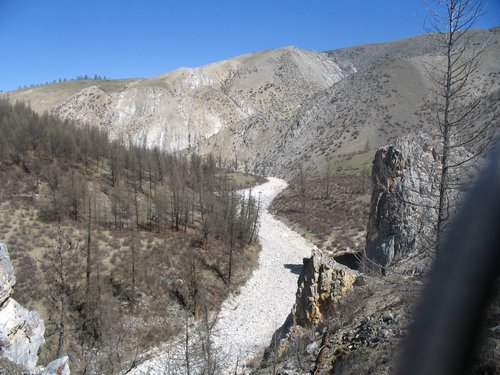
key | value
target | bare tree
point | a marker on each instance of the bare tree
(327, 193)
(133, 261)
(302, 186)
(88, 268)
(187, 339)
(457, 104)
(209, 353)
(231, 216)
(60, 265)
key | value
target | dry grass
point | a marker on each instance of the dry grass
(244, 181)
(335, 222)
(133, 320)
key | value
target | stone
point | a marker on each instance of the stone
(21, 330)
(311, 347)
(322, 285)
(405, 183)
(385, 333)
(21, 334)
(360, 281)
(58, 367)
(387, 317)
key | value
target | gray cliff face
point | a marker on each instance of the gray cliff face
(401, 228)
(21, 330)
(405, 190)
(21, 334)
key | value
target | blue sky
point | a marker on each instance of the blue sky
(43, 40)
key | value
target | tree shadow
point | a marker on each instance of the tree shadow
(294, 268)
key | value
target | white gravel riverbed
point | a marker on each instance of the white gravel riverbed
(249, 317)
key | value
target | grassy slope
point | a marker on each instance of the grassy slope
(336, 222)
(43, 98)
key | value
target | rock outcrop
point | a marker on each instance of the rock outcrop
(21, 334)
(59, 366)
(21, 330)
(401, 228)
(402, 211)
(7, 277)
(322, 284)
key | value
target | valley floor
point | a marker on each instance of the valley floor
(250, 316)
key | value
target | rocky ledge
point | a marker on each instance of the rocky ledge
(21, 330)
(322, 285)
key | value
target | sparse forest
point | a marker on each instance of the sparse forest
(85, 77)
(114, 242)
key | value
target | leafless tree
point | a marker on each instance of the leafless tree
(187, 339)
(60, 265)
(88, 268)
(210, 355)
(457, 104)
(302, 187)
(327, 193)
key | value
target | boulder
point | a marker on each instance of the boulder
(21, 334)
(321, 285)
(58, 367)
(21, 330)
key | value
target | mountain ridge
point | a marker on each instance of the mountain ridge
(270, 111)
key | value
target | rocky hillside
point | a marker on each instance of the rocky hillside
(183, 108)
(273, 110)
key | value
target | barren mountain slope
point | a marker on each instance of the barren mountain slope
(385, 95)
(272, 111)
(45, 97)
(362, 110)
(180, 109)
(359, 57)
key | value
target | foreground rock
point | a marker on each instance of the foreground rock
(322, 285)
(343, 322)
(21, 330)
